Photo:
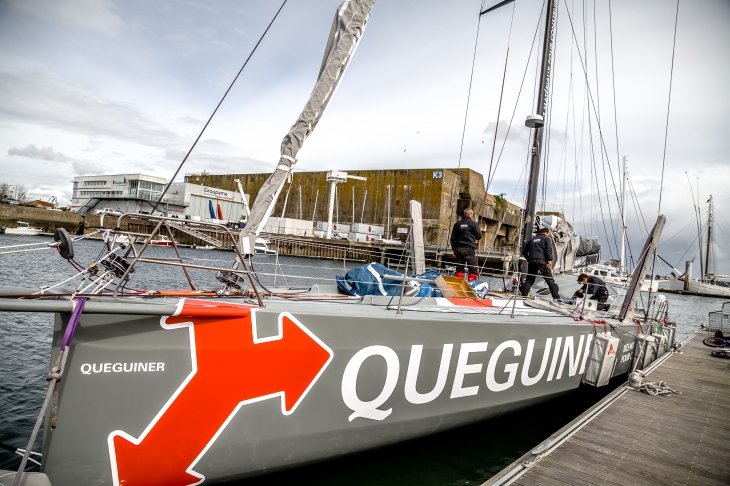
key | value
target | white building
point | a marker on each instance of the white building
(89, 190)
(192, 201)
(138, 193)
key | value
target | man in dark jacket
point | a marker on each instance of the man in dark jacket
(538, 252)
(594, 286)
(464, 239)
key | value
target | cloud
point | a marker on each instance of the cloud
(33, 152)
(80, 167)
(227, 163)
(515, 136)
(37, 99)
(91, 15)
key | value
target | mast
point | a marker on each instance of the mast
(623, 217)
(703, 270)
(710, 220)
(537, 120)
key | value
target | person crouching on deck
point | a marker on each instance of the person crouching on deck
(464, 239)
(594, 286)
(538, 252)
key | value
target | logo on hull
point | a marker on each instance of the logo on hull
(231, 367)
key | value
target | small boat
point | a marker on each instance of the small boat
(161, 241)
(262, 247)
(203, 247)
(23, 229)
(612, 275)
(125, 240)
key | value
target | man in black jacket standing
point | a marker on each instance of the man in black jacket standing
(464, 239)
(538, 252)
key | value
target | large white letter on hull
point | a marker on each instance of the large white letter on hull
(414, 364)
(556, 353)
(526, 379)
(585, 354)
(510, 369)
(349, 383)
(574, 358)
(463, 369)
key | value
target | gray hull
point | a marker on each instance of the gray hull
(156, 400)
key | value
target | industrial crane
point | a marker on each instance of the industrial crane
(334, 177)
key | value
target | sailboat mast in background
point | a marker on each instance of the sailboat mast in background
(623, 217)
(710, 221)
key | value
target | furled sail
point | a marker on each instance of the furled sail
(347, 29)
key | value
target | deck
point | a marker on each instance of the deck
(635, 438)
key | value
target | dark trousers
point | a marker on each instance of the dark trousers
(535, 268)
(466, 255)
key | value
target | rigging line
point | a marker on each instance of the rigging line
(674, 235)
(594, 176)
(613, 85)
(575, 146)
(216, 108)
(549, 124)
(669, 101)
(698, 217)
(685, 252)
(592, 105)
(549, 121)
(499, 109)
(471, 79)
(563, 157)
(598, 121)
(519, 93)
(600, 202)
(466, 112)
(524, 168)
(637, 210)
(633, 192)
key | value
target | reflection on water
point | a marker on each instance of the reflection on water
(464, 456)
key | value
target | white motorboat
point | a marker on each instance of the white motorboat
(23, 229)
(161, 241)
(262, 247)
(612, 275)
(203, 247)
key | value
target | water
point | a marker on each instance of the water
(465, 456)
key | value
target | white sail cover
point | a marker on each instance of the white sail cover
(565, 242)
(347, 29)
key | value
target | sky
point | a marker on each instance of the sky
(98, 86)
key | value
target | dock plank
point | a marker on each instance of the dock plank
(681, 439)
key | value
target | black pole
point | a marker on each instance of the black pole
(528, 224)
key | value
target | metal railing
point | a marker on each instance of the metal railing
(167, 223)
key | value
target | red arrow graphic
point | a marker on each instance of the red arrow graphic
(231, 367)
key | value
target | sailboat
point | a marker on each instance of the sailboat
(188, 387)
(707, 285)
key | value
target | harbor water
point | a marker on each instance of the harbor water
(464, 456)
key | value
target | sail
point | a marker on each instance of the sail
(347, 29)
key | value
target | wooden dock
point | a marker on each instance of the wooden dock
(635, 438)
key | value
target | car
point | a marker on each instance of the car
(10, 200)
(108, 211)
